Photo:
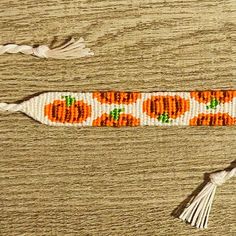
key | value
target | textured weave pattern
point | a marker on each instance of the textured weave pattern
(213, 108)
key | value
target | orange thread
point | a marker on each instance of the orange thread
(117, 97)
(58, 111)
(207, 96)
(173, 106)
(218, 119)
(124, 120)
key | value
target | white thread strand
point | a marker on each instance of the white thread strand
(10, 107)
(71, 50)
(197, 213)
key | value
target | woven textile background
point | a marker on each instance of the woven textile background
(114, 181)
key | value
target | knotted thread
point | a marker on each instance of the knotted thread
(10, 107)
(197, 213)
(70, 50)
(219, 178)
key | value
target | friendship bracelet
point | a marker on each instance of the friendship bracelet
(71, 50)
(117, 109)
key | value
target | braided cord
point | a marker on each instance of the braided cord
(10, 107)
(71, 50)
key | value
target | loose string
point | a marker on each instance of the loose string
(10, 107)
(71, 50)
(197, 213)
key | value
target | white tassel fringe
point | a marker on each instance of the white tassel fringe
(197, 213)
(70, 50)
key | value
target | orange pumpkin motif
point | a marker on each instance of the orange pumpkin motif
(165, 107)
(67, 111)
(117, 97)
(213, 98)
(219, 119)
(116, 119)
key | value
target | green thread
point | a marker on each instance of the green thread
(213, 104)
(115, 114)
(69, 100)
(164, 118)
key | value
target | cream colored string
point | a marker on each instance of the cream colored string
(70, 50)
(10, 107)
(197, 213)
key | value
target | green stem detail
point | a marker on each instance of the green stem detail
(213, 104)
(115, 114)
(69, 100)
(164, 118)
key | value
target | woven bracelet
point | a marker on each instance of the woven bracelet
(209, 108)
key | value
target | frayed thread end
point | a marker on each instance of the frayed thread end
(71, 50)
(197, 213)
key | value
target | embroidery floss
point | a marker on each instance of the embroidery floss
(71, 50)
(116, 109)
(197, 213)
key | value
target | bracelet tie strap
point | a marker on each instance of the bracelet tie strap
(116, 109)
(197, 213)
(71, 50)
